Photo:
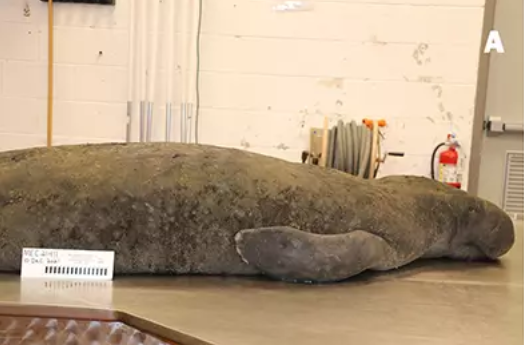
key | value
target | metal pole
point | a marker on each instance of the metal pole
(168, 121)
(129, 114)
(190, 122)
(149, 121)
(182, 122)
(142, 120)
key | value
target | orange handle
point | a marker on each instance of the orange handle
(369, 123)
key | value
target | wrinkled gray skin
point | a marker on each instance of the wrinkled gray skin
(188, 209)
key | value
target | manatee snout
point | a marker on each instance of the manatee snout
(498, 235)
(504, 233)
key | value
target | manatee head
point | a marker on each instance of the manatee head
(491, 228)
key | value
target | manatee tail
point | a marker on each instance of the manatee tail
(290, 254)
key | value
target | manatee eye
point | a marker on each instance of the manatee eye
(283, 245)
(295, 243)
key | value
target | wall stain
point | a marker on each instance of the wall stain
(438, 90)
(441, 107)
(339, 103)
(282, 146)
(27, 10)
(425, 79)
(430, 119)
(245, 144)
(374, 40)
(418, 53)
(332, 83)
(304, 114)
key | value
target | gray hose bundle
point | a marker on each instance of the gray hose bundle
(349, 149)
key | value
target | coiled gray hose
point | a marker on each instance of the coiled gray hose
(341, 146)
(350, 154)
(349, 149)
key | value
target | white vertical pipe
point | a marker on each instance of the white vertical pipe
(143, 48)
(170, 46)
(136, 65)
(191, 49)
(131, 69)
(191, 64)
(184, 52)
(151, 70)
(183, 70)
(155, 8)
(142, 65)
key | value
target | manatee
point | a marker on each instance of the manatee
(170, 208)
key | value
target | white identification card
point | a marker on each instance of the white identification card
(67, 264)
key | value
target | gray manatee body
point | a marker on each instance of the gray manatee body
(196, 209)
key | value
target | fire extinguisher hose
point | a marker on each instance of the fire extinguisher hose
(433, 156)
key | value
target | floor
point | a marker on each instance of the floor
(430, 303)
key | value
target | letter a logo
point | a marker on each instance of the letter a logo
(494, 42)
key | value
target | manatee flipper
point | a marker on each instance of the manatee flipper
(291, 254)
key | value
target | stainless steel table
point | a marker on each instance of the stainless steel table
(430, 303)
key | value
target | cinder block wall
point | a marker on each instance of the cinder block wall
(266, 77)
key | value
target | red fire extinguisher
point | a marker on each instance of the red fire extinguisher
(448, 163)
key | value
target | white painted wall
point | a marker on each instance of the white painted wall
(266, 77)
